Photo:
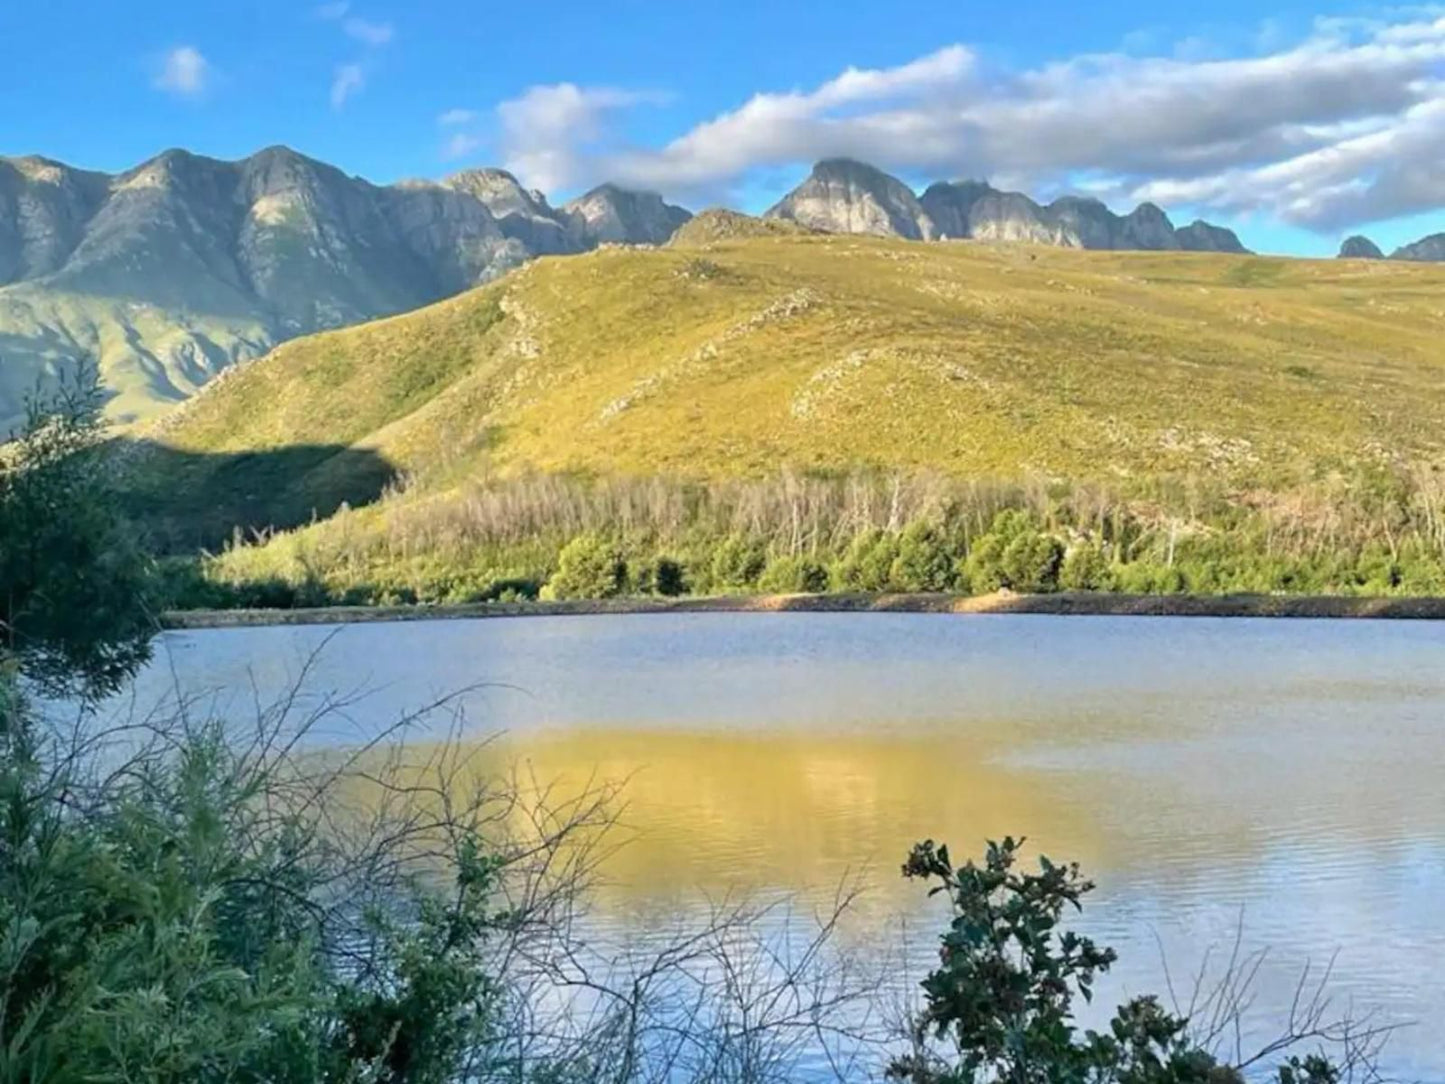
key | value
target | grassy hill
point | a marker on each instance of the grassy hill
(740, 355)
(743, 350)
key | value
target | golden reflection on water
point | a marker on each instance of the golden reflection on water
(710, 812)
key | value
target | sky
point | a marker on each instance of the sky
(1294, 123)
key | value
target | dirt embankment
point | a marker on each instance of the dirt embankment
(1001, 603)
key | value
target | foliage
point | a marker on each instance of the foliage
(1085, 568)
(925, 561)
(1015, 554)
(590, 566)
(737, 562)
(1000, 1005)
(73, 582)
(794, 576)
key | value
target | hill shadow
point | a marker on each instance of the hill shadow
(188, 501)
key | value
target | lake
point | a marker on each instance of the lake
(1279, 777)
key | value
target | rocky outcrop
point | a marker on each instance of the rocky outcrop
(1200, 236)
(1426, 250)
(1360, 248)
(612, 215)
(844, 196)
(172, 271)
(973, 210)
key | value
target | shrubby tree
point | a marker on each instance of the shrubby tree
(590, 566)
(73, 580)
(1000, 1005)
(737, 562)
(1015, 553)
(794, 575)
(925, 561)
(1085, 568)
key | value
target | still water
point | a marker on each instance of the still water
(1286, 778)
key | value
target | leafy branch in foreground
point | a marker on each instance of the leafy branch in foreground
(1000, 1005)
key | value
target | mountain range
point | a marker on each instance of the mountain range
(1426, 250)
(845, 196)
(169, 273)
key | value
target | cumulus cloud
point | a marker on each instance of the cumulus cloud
(454, 118)
(551, 134)
(183, 72)
(1344, 126)
(349, 79)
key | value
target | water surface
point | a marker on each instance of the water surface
(1282, 776)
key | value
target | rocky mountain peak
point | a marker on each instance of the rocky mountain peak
(1360, 248)
(846, 196)
(1426, 250)
(612, 215)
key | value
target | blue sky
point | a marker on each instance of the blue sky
(1296, 124)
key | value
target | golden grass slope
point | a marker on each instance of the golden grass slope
(735, 353)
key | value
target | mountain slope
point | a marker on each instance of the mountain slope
(737, 354)
(844, 196)
(169, 273)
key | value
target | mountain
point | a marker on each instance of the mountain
(618, 216)
(744, 347)
(844, 196)
(173, 271)
(1360, 248)
(1426, 250)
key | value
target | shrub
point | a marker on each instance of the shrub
(1014, 554)
(1085, 568)
(1148, 578)
(924, 561)
(1030, 563)
(1000, 1005)
(797, 575)
(590, 566)
(737, 562)
(659, 576)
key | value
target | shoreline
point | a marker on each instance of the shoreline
(1065, 604)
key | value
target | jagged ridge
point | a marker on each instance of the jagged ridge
(170, 272)
(845, 196)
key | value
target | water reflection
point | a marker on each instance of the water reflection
(1280, 774)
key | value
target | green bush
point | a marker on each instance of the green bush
(1085, 568)
(1000, 1005)
(1015, 554)
(590, 566)
(737, 562)
(795, 575)
(659, 576)
(868, 563)
(925, 561)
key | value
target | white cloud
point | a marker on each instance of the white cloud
(349, 79)
(453, 118)
(332, 12)
(369, 33)
(460, 145)
(183, 72)
(1341, 127)
(549, 132)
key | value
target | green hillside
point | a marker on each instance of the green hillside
(741, 355)
(1272, 421)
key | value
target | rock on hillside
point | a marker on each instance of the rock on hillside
(844, 196)
(170, 272)
(1360, 248)
(615, 215)
(719, 224)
